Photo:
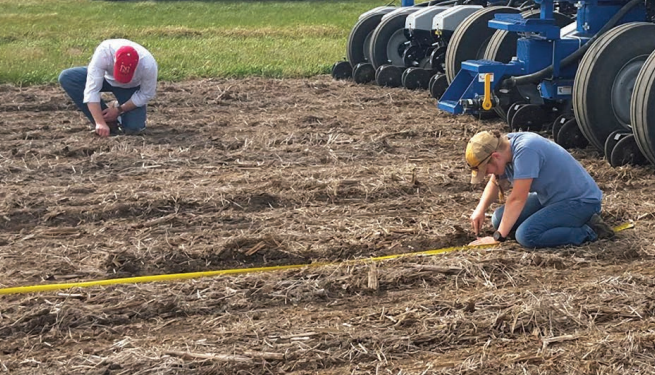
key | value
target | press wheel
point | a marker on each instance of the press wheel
(569, 136)
(559, 122)
(626, 152)
(528, 117)
(342, 70)
(612, 140)
(438, 85)
(416, 78)
(363, 73)
(388, 76)
(511, 111)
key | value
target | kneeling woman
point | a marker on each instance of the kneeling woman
(554, 201)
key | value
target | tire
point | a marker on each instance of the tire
(611, 142)
(627, 152)
(342, 70)
(363, 73)
(470, 39)
(558, 123)
(388, 76)
(502, 45)
(605, 77)
(569, 136)
(416, 78)
(386, 40)
(438, 85)
(642, 109)
(356, 50)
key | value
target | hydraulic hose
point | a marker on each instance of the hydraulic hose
(540, 75)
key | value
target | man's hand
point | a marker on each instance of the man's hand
(110, 114)
(477, 220)
(484, 241)
(102, 129)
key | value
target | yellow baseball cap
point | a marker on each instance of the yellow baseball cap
(478, 153)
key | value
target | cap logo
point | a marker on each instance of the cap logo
(126, 62)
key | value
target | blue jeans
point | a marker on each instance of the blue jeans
(558, 224)
(73, 81)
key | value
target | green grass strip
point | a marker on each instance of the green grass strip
(189, 39)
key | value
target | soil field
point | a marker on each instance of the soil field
(257, 172)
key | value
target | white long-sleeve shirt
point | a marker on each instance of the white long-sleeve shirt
(101, 67)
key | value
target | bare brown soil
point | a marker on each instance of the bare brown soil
(249, 173)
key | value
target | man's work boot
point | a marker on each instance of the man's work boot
(601, 228)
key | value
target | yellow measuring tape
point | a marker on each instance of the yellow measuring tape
(196, 275)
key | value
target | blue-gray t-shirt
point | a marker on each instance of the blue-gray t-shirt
(556, 175)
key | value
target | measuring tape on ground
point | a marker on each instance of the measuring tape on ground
(197, 275)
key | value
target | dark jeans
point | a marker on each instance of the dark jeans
(73, 81)
(559, 224)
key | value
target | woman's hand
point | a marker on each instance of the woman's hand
(484, 241)
(477, 221)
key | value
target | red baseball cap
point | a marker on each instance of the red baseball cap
(126, 61)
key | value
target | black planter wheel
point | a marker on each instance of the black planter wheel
(559, 122)
(605, 80)
(511, 111)
(416, 78)
(528, 117)
(342, 70)
(389, 76)
(363, 73)
(627, 152)
(569, 136)
(642, 109)
(388, 41)
(438, 85)
(359, 39)
(612, 140)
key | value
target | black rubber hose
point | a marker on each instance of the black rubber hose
(540, 75)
